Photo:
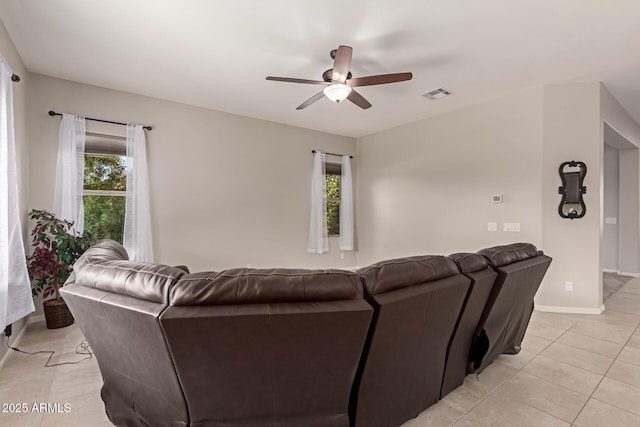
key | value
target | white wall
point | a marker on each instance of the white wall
(615, 116)
(618, 126)
(226, 190)
(629, 224)
(426, 187)
(611, 192)
(572, 132)
(8, 50)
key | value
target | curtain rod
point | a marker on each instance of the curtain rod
(333, 154)
(53, 113)
(15, 78)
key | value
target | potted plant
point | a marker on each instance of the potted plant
(56, 246)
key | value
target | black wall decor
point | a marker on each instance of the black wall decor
(572, 205)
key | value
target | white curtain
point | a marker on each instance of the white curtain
(318, 241)
(67, 198)
(15, 287)
(346, 206)
(137, 218)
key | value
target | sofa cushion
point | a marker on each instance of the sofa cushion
(508, 254)
(105, 266)
(255, 286)
(469, 262)
(389, 275)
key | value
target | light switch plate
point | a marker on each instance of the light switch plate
(511, 226)
(492, 226)
(610, 220)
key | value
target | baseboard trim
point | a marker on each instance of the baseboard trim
(15, 343)
(622, 273)
(570, 310)
(610, 270)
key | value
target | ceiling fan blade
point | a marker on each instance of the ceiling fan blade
(311, 100)
(379, 79)
(359, 100)
(292, 80)
(341, 64)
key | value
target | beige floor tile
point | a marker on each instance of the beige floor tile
(622, 306)
(630, 355)
(619, 394)
(598, 414)
(490, 379)
(579, 358)
(38, 337)
(69, 385)
(544, 395)
(72, 340)
(467, 421)
(628, 295)
(437, 415)
(86, 410)
(28, 392)
(593, 345)
(625, 372)
(621, 320)
(516, 361)
(28, 419)
(534, 344)
(543, 331)
(462, 399)
(25, 378)
(498, 410)
(555, 320)
(618, 334)
(25, 368)
(474, 389)
(563, 374)
(634, 342)
(607, 315)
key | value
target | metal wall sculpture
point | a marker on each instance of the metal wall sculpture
(572, 205)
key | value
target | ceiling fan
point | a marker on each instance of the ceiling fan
(339, 83)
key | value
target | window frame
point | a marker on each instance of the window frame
(104, 145)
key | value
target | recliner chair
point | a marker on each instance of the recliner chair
(521, 268)
(482, 280)
(118, 303)
(417, 302)
(267, 347)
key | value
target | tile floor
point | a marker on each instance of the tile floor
(573, 370)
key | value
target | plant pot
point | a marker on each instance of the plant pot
(57, 314)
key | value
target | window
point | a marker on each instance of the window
(105, 183)
(332, 181)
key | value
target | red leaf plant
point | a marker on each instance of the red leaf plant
(56, 246)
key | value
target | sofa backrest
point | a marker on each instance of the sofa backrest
(267, 347)
(521, 268)
(417, 302)
(117, 304)
(482, 278)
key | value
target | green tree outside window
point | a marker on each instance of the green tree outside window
(105, 183)
(333, 203)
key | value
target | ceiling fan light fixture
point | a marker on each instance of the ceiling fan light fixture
(337, 92)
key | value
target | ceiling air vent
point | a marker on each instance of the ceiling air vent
(437, 93)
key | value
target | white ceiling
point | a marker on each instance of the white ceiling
(216, 54)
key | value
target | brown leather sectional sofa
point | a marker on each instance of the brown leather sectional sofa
(284, 347)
